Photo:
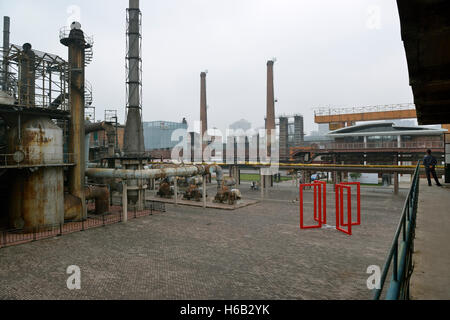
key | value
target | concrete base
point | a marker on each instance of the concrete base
(209, 203)
(430, 279)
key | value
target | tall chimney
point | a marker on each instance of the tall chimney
(284, 137)
(203, 105)
(134, 135)
(133, 145)
(27, 76)
(299, 133)
(270, 117)
(6, 26)
(77, 45)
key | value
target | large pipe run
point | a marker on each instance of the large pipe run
(145, 174)
(187, 171)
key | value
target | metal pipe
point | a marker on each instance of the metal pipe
(219, 174)
(101, 197)
(124, 201)
(175, 187)
(109, 130)
(77, 45)
(72, 206)
(145, 174)
(204, 192)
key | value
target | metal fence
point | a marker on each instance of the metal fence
(352, 110)
(12, 237)
(399, 262)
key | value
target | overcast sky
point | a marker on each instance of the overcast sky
(329, 53)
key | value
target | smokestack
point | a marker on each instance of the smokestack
(77, 45)
(27, 76)
(133, 145)
(299, 133)
(270, 117)
(284, 137)
(6, 32)
(203, 105)
(134, 135)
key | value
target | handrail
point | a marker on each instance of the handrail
(400, 254)
(318, 146)
(352, 110)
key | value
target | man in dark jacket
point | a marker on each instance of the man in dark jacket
(430, 167)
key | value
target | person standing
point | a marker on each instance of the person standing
(430, 163)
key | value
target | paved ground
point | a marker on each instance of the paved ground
(257, 252)
(430, 279)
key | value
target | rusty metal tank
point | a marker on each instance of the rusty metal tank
(37, 193)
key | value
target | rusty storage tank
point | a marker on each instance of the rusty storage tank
(37, 194)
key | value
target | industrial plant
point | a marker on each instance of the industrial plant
(220, 205)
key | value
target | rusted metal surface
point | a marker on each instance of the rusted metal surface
(27, 76)
(165, 190)
(227, 195)
(101, 197)
(37, 198)
(40, 141)
(98, 126)
(193, 192)
(77, 45)
(37, 193)
(72, 206)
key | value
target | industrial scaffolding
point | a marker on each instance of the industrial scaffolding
(38, 80)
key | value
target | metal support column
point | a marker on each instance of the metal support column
(175, 190)
(204, 191)
(262, 182)
(124, 201)
(396, 186)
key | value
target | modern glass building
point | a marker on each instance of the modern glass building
(158, 134)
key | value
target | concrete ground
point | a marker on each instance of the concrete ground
(256, 252)
(430, 279)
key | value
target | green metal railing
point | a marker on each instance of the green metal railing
(399, 260)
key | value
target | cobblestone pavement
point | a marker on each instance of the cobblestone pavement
(257, 252)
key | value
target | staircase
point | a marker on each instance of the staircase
(87, 93)
(88, 55)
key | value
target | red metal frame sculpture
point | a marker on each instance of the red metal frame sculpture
(358, 203)
(317, 213)
(320, 205)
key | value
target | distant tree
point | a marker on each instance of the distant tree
(355, 175)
